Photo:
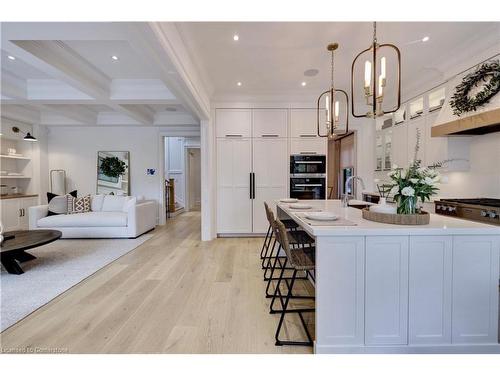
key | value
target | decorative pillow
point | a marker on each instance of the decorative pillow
(58, 203)
(114, 203)
(96, 202)
(78, 205)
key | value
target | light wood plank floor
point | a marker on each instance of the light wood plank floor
(173, 294)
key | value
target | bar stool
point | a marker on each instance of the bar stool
(297, 238)
(300, 259)
(289, 224)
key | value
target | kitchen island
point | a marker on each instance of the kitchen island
(383, 288)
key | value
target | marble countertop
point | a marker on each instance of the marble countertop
(438, 225)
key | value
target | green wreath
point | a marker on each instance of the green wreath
(113, 167)
(489, 74)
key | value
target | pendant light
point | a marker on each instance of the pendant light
(333, 99)
(27, 136)
(374, 87)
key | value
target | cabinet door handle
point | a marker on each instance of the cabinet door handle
(308, 153)
(308, 135)
(234, 135)
(269, 135)
(24, 212)
(251, 184)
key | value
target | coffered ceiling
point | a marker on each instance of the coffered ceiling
(270, 58)
(89, 74)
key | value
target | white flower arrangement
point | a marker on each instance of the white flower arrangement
(413, 183)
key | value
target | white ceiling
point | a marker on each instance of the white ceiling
(63, 74)
(270, 58)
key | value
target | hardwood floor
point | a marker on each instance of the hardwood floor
(173, 294)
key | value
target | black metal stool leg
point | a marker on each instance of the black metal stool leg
(265, 245)
(282, 318)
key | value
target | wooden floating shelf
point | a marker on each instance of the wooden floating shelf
(12, 177)
(14, 157)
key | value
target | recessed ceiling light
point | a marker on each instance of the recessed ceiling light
(304, 83)
(239, 83)
(114, 57)
(10, 57)
(236, 37)
(425, 39)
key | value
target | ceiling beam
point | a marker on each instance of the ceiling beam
(21, 113)
(74, 112)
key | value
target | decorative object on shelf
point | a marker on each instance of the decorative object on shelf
(487, 74)
(332, 105)
(11, 151)
(374, 89)
(408, 185)
(113, 172)
(27, 136)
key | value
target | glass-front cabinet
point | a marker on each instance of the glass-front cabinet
(379, 150)
(416, 108)
(387, 149)
(436, 99)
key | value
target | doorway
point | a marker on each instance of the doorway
(193, 178)
(341, 164)
(182, 175)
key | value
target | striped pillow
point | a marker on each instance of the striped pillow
(78, 205)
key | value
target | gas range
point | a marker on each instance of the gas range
(485, 210)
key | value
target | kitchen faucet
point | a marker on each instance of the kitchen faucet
(346, 197)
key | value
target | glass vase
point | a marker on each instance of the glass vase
(407, 205)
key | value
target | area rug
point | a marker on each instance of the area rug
(59, 266)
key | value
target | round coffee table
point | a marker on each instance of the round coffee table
(13, 250)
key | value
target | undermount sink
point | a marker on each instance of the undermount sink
(354, 203)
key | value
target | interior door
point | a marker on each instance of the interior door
(271, 173)
(234, 165)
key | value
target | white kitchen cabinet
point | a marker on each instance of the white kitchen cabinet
(308, 146)
(233, 123)
(303, 123)
(342, 321)
(400, 145)
(270, 173)
(11, 214)
(430, 283)
(234, 165)
(250, 170)
(386, 297)
(270, 123)
(15, 212)
(475, 289)
(415, 127)
(26, 203)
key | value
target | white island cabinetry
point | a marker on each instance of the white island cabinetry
(384, 288)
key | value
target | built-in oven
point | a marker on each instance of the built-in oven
(307, 187)
(307, 164)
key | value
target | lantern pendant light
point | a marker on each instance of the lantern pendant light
(332, 100)
(374, 89)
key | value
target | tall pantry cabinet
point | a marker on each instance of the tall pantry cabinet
(252, 166)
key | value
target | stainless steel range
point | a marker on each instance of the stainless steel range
(485, 210)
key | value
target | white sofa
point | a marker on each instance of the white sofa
(111, 217)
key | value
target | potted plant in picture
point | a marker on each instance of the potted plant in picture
(113, 167)
(413, 183)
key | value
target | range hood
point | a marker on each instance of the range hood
(481, 123)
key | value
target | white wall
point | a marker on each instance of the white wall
(74, 149)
